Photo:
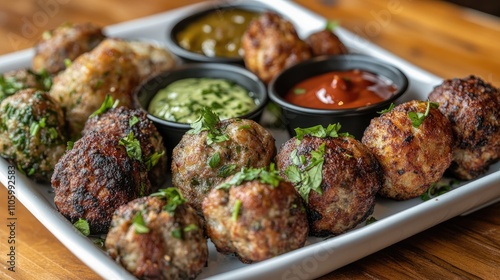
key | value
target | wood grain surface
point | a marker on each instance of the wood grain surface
(442, 38)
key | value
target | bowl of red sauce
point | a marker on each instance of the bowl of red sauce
(347, 89)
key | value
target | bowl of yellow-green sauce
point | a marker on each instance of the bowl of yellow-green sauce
(174, 99)
(212, 34)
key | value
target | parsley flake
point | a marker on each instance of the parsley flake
(438, 189)
(107, 104)
(319, 131)
(208, 121)
(172, 196)
(298, 91)
(214, 161)
(270, 177)
(331, 25)
(387, 110)
(152, 160)
(139, 224)
(132, 145)
(418, 118)
(82, 226)
(236, 210)
(132, 121)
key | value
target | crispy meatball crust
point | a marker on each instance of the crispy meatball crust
(32, 133)
(351, 178)
(94, 178)
(325, 42)
(117, 123)
(67, 41)
(83, 86)
(158, 254)
(473, 108)
(249, 145)
(271, 44)
(412, 158)
(271, 220)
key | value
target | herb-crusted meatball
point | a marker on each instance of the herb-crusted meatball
(337, 176)
(15, 80)
(256, 215)
(66, 42)
(95, 177)
(271, 44)
(413, 143)
(205, 156)
(32, 132)
(119, 122)
(473, 108)
(158, 237)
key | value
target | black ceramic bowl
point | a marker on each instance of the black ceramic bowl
(172, 132)
(353, 120)
(182, 23)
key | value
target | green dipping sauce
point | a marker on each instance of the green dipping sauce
(217, 33)
(183, 99)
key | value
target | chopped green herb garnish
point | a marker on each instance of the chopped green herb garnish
(179, 233)
(69, 145)
(388, 109)
(173, 197)
(139, 225)
(246, 126)
(319, 131)
(176, 233)
(191, 227)
(236, 210)
(298, 91)
(107, 104)
(331, 25)
(53, 134)
(82, 226)
(270, 177)
(133, 120)
(370, 220)
(132, 145)
(67, 62)
(36, 126)
(208, 121)
(311, 179)
(226, 170)
(417, 118)
(214, 161)
(152, 160)
(438, 189)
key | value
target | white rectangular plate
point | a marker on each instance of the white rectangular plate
(397, 220)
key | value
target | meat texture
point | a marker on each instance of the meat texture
(473, 108)
(269, 221)
(94, 178)
(412, 158)
(32, 133)
(325, 42)
(271, 44)
(350, 179)
(118, 122)
(172, 245)
(197, 167)
(15, 80)
(66, 42)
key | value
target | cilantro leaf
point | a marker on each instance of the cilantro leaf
(82, 226)
(270, 177)
(173, 197)
(132, 145)
(132, 121)
(236, 210)
(418, 118)
(319, 131)
(388, 109)
(107, 104)
(331, 25)
(214, 161)
(152, 160)
(139, 224)
(208, 121)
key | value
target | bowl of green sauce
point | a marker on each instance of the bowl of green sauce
(174, 98)
(213, 34)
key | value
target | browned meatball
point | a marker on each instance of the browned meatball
(256, 220)
(197, 167)
(94, 178)
(350, 179)
(412, 157)
(171, 244)
(271, 44)
(473, 108)
(67, 41)
(325, 42)
(119, 122)
(13, 81)
(32, 133)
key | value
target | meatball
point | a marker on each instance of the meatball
(13, 81)
(94, 178)
(473, 108)
(119, 122)
(254, 218)
(350, 177)
(150, 59)
(271, 44)
(325, 42)
(153, 242)
(67, 41)
(413, 156)
(32, 133)
(82, 87)
(197, 166)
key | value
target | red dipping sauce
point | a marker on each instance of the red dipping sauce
(341, 90)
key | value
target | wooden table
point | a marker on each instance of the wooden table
(442, 38)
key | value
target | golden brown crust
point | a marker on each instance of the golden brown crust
(271, 220)
(94, 178)
(473, 108)
(157, 254)
(249, 145)
(351, 177)
(412, 158)
(325, 42)
(67, 41)
(271, 44)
